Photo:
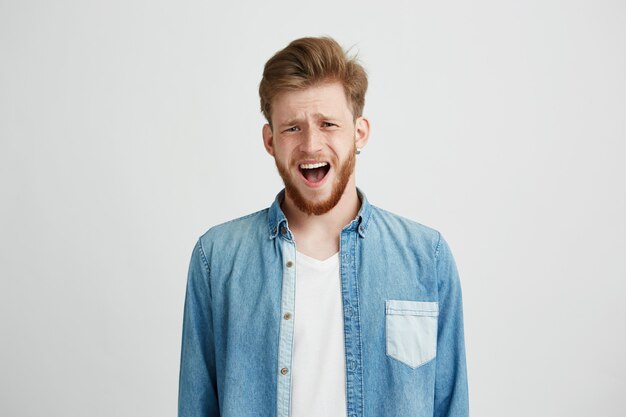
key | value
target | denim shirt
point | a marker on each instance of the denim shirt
(403, 321)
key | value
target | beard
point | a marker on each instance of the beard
(338, 187)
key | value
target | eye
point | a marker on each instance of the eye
(292, 129)
(328, 124)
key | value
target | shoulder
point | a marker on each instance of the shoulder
(403, 225)
(231, 232)
(405, 231)
(423, 241)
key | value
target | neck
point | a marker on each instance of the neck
(329, 223)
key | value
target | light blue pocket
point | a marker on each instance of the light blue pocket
(411, 328)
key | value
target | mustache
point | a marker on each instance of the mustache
(312, 157)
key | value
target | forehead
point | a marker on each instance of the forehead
(328, 99)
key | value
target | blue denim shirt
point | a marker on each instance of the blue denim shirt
(403, 321)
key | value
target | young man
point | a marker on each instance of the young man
(321, 305)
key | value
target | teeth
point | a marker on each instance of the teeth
(312, 166)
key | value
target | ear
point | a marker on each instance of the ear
(268, 139)
(361, 132)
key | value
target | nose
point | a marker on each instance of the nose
(311, 141)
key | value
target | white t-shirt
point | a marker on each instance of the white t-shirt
(318, 368)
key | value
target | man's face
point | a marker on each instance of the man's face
(313, 140)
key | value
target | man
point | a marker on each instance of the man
(322, 304)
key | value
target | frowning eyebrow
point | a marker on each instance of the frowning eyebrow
(295, 120)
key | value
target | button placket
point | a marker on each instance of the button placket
(285, 348)
(352, 326)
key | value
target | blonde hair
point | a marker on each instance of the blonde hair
(309, 61)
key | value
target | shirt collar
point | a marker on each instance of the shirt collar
(278, 222)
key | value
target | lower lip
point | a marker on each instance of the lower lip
(315, 184)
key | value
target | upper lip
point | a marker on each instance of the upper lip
(311, 161)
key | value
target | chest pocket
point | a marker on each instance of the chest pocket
(411, 331)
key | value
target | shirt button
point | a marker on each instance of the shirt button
(289, 264)
(361, 229)
(283, 230)
(349, 311)
(284, 371)
(287, 316)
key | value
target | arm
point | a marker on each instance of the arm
(197, 390)
(451, 397)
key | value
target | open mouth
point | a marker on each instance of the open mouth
(314, 173)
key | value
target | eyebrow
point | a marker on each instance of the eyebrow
(295, 120)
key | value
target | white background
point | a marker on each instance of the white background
(127, 128)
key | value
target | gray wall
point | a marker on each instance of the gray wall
(127, 128)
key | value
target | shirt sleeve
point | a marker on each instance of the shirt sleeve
(451, 392)
(197, 389)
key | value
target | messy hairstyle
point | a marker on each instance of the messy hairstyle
(309, 61)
